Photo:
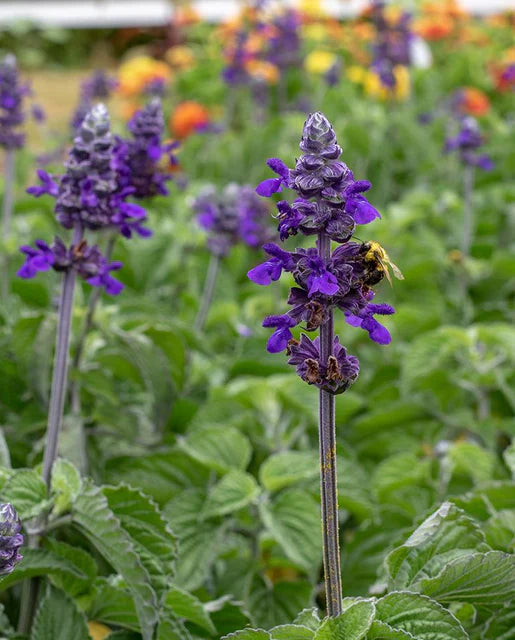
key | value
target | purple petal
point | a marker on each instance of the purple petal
(260, 274)
(279, 167)
(278, 341)
(268, 187)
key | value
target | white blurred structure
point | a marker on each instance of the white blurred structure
(125, 13)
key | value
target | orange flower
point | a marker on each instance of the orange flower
(434, 28)
(187, 118)
(475, 102)
(263, 70)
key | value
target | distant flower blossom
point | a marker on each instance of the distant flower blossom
(98, 86)
(187, 118)
(11, 539)
(12, 94)
(467, 142)
(330, 204)
(91, 194)
(234, 215)
(139, 159)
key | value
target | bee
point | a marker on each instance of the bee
(378, 264)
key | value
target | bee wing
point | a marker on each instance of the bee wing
(384, 265)
(396, 271)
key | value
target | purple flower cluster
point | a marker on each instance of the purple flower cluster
(467, 142)
(330, 204)
(235, 73)
(285, 45)
(88, 197)
(10, 538)
(393, 44)
(234, 215)
(12, 94)
(99, 86)
(138, 158)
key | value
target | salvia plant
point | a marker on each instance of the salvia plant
(234, 215)
(12, 116)
(329, 206)
(97, 87)
(11, 539)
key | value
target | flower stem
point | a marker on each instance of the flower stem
(60, 371)
(86, 328)
(328, 476)
(7, 209)
(468, 187)
(207, 294)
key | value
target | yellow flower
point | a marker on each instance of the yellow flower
(136, 73)
(316, 31)
(375, 88)
(319, 61)
(98, 631)
(312, 8)
(263, 70)
(180, 57)
(402, 82)
(357, 74)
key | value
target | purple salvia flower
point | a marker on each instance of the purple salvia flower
(273, 185)
(466, 142)
(365, 319)
(12, 94)
(335, 375)
(98, 86)
(11, 538)
(271, 270)
(137, 159)
(279, 339)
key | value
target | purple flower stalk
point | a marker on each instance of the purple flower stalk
(393, 44)
(330, 203)
(10, 539)
(138, 158)
(235, 215)
(12, 116)
(98, 86)
(467, 142)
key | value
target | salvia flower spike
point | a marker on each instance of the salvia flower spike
(329, 204)
(11, 538)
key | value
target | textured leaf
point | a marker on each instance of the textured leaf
(291, 632)
(58, 618)
(501, 626)
(509, 458)
(500, 530)
(198, 539)
(41, 562)
(218, 449)
(170, 628)
(273, 605)
(283, 469)
(419, 616)
(26, 490)
(293, 519)
(187, 606)
(66, 484)
(78, 558)
(354, 491)
(94, 519)
(308, 618)
(382, 631)
(235, 490)
(113, 605)
(352, 624)
(151, 535)
(249, 634)
(397, 471)
(447, 534)
(478, 578)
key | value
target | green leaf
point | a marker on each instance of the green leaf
(151, 535)
(65, 484)
(5, 458)
(447, 534)
(170, 628)
(500, 530)
(293, 518)
(501, 625)
(478, 578)
(113, 605)
(509, 458)
(352, 624)
(235, 490)
(400, 470)
(78, 558)
(187, 606)
(248, 634)
(227, 614)
(273, 605)
(58, 618)
(382, 631)
(308, 618)
(418, 616)
(354, 491)
(218, 449)
(291, 632)
(43, 562)
(27, 492)
(283, 469)
(470, 459)
(198, 539)
(94, 519)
